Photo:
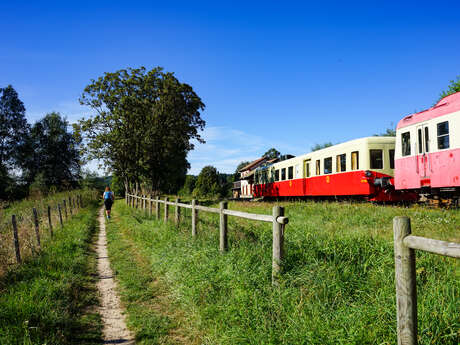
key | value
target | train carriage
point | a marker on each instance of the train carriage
(361, 168)
(427, 155)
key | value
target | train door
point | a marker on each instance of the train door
(306, 174)
(422, 154)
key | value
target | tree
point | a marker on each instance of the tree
(207, 183)
(189, 185)
(272, 154)
(317, 147)
(52, 154)
(13, 132)
(452, 88)
(143, 127)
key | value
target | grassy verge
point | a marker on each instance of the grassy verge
(47, 300)
(338, 285)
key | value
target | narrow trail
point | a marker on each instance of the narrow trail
(115, 330)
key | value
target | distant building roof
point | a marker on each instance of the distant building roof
(253, 164)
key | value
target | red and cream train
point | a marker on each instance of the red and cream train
(423, 159)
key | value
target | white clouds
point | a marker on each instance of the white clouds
(226, 147)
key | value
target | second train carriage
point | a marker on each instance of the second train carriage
(428, 150)
(361, 168)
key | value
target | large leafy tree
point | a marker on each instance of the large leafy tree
(13, 132)
(143, 126)
(453, 87)
(51, 153)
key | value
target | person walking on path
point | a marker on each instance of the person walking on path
(108, 197)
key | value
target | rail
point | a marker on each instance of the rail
(405, 275)
(277, 219)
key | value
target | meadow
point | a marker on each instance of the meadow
(337, 286)
(49, 299)
(23, 210)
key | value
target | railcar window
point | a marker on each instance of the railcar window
(427, 140)
(341, 163)
(328, 165)
(283, 174)
(318, 166)
(392, 159)
(355, 160)
(277, 175)
(420, 145)
(308, 169)
(290, 173)
(376, 159)
(405, 143)
(443, 135)
(256, 177)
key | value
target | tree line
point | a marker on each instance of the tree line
(34, 158)
(143, 125)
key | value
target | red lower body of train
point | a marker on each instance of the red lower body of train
(368, 185)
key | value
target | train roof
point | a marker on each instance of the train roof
(446, 105)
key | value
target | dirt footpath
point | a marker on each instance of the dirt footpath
(115, 330)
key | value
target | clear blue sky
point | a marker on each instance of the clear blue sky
(271, 73)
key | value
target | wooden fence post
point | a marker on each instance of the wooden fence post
(194, 217)
(37, 228)
(65, 208)
(278, 244)
(177, 212)
(150, 205)
(70, 206)
(60, 215)
(166, 209)
(157, 208)
(405, 278)
(78, 202)
(223, 241)
(16, 239)
(144, 204)
(49, 221)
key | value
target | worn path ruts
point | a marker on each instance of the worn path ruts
(115, 330)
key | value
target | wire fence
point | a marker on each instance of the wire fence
(26, 225)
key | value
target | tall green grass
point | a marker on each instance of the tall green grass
(338, 281)
(47, 300)
(25, 223)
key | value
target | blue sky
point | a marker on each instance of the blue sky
(272, 74)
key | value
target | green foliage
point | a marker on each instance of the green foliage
(208, 183)
(189, 185)
(117, 186)
(51, 154)
(13, 132)
(272, 153)
(317, 147)
(47, 299)
(453, 87)
(337, 286)
(143, 126)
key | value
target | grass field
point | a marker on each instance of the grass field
(337, 287)
(25, 223)
(48, 299)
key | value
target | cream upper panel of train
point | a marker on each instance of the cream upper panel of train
(370, 153)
